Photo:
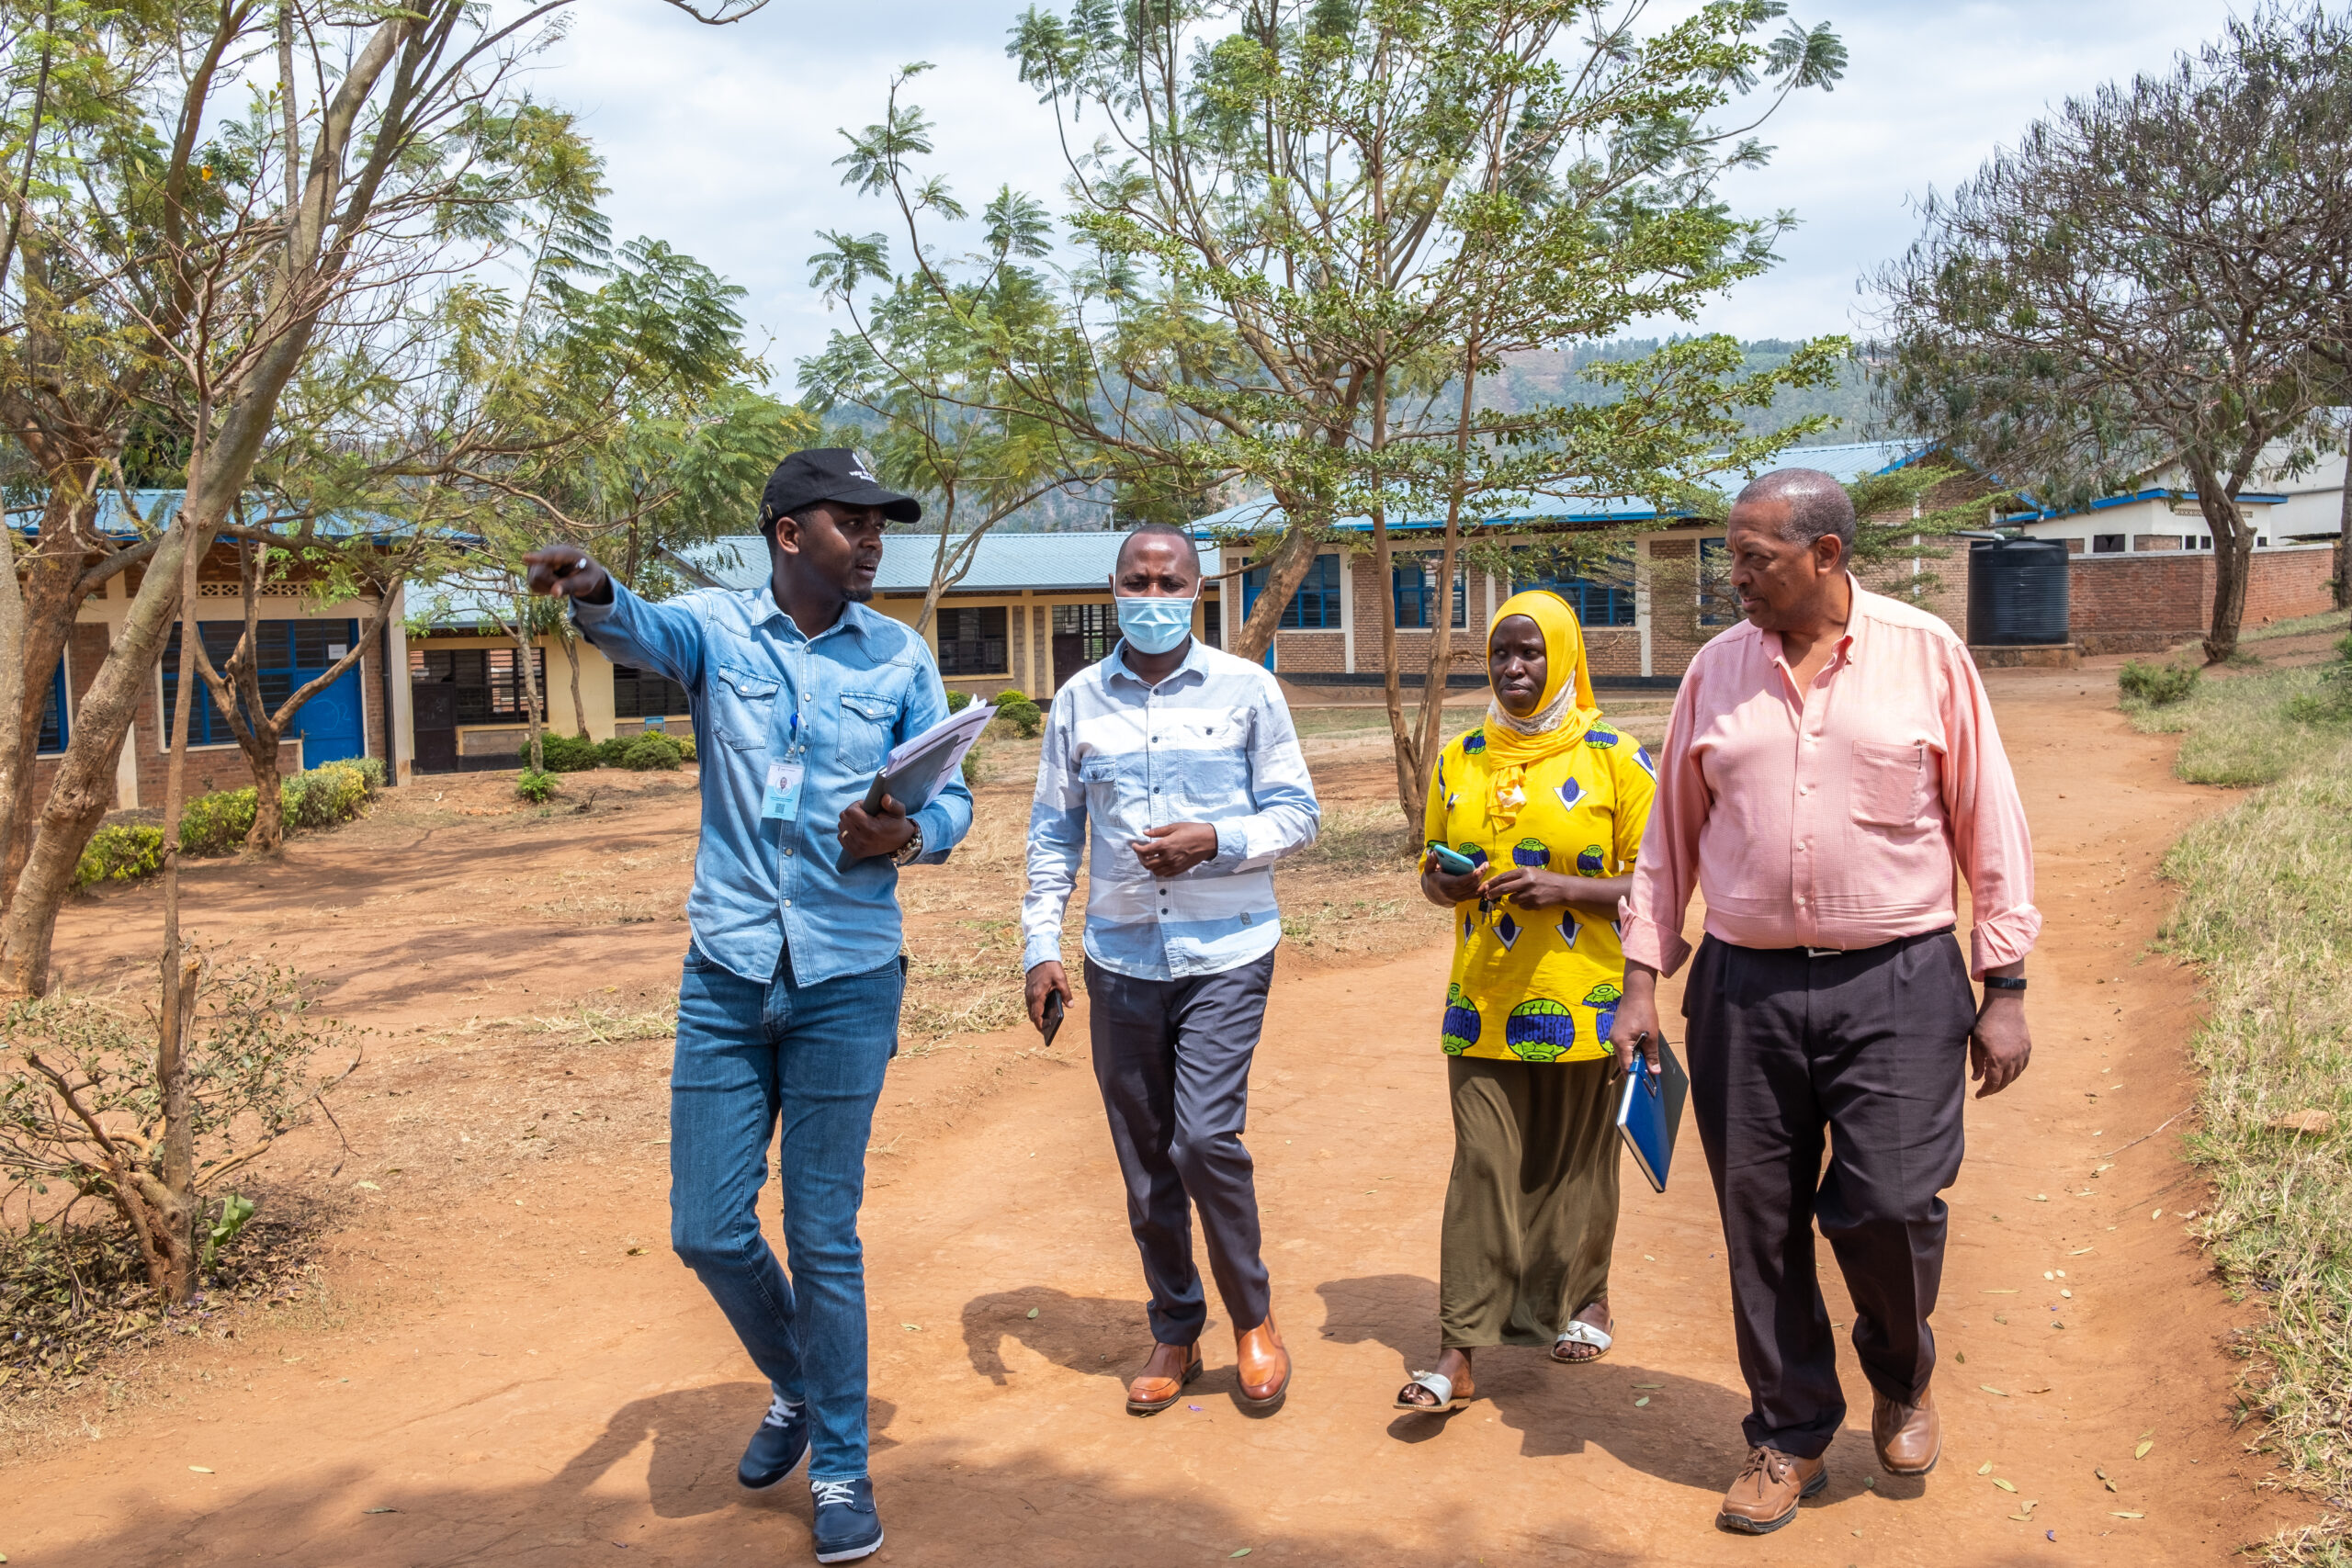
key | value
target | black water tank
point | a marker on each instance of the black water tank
(2017, 593)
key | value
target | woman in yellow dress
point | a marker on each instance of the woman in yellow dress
(1550, 801)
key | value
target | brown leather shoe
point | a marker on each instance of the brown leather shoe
(1770, 1485)
(1153, 1389)
(1910, 1437)
(1264, 1367)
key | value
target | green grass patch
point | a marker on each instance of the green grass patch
(2265, 913)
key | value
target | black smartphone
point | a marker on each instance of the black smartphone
(1052, 1014)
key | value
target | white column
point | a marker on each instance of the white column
(1642, 601)
(399, 740)
(1347, 613)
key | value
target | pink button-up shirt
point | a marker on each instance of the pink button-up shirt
(1834, 817)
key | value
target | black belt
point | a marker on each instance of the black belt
(1851, 952)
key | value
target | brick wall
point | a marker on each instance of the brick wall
(1320, 652)
(2146, 604)
(85, 650)
(1613, 651)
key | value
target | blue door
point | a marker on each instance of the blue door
(334, 725)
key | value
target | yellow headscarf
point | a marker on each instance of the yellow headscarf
(1561, 717)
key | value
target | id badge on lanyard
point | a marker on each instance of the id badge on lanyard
(782, 800)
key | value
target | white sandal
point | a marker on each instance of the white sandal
(1439, 1384)
(1579, 1332)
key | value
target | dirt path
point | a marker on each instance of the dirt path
(515, 1382)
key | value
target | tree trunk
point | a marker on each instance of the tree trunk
(1285, 570)
(2344, 529)
(530, 678)
(176, 1234)
(572, 656)
(47, 599)
(2233, 561)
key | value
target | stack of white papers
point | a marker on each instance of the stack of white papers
(919, 767)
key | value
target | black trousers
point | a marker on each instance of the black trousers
(1172, 1060)
(1872, 1045)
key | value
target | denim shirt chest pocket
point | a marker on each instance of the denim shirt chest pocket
(866, 720)
(743, 705)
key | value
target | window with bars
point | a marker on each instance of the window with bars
(1212, 621)
(1417, 592)
(641, 694)
(489, 679)
(53, 727)
(1606, 600)
(1314, 608)
(2107, 543)
(292, 655)
(972, 641)
(1095, 626)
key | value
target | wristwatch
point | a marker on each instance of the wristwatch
(2005, 982)
(908, 851)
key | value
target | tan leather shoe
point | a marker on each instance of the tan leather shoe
(1770, 1485)
(1264, 1367)
(1910, 1437)
(1162, 1381)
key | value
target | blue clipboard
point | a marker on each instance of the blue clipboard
(1649, 1112)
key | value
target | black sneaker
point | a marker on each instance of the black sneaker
(776, 1446)
(846, 1528)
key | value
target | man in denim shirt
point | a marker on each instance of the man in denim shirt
(789, 1007)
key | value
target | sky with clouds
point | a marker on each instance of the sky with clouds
(722, 140)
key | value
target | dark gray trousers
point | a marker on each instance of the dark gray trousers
(1873, 1046)
(1172, 1058)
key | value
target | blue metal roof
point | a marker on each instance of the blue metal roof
(157, 507)
(1003, 563)
(2157, 493)
(1846, 462)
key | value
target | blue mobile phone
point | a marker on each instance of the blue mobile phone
(1452, 861)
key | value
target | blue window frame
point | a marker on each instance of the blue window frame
(55, 727)
(1598, 600)
(293, 653)
(1314, 608)
(1415, 580)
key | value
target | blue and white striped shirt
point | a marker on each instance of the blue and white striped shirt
(1211, 743)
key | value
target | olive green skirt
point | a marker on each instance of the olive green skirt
(1530, 1212)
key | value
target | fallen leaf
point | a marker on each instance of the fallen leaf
(2000, 1292)
(2156, 1214)
(1243, 1553)
(2003, 1484)
(2118, 1514)
(2149, 1433)
(2099, 1472)
(637, 1252)
(2142, 1451)
(1869, 1483)
(911, 1328)
(1984, 1469)
(2080, 1251)
(366, 1186)
(2022, 1518)
(1989, 1388)
(2065, 1296)
(1961, 1355)
(2048, 1274)
(380, 1510)
(1999, 1319)
(2111, 1486)
(2042, 1197)
(201, 1470)
(1032, 1312)
(1641, 1402)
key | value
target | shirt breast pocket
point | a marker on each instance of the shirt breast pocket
(1888, 786)
(743, 706)
(866, 723)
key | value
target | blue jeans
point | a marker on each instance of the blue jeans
(751, 1055)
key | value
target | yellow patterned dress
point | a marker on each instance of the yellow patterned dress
(1540, 985)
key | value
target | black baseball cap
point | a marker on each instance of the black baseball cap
(830, 473)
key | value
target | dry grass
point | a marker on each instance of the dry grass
(2265, 913)
(2235, 732)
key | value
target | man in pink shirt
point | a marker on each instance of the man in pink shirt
(1830, 765)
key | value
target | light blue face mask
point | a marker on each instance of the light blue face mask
(1154, 625)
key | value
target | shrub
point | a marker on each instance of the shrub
(216, 824)
(120, 853)
(562, 753)
(328, 793)
(2157, 684)
(1015, 709)
(653, 752)
(610, 752)
(372, 771)
(536, 788)
(685, 746)
(958, 700)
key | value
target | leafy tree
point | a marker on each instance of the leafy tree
(2152, 276)
(1303, 234)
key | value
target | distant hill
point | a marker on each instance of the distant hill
(1553, 376)
(1538, 379)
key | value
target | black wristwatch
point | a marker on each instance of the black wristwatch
(2005, 982)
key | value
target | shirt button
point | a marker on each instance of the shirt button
(787, 849)
(1800, 899)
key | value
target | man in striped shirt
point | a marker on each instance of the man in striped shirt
(1184, 761)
